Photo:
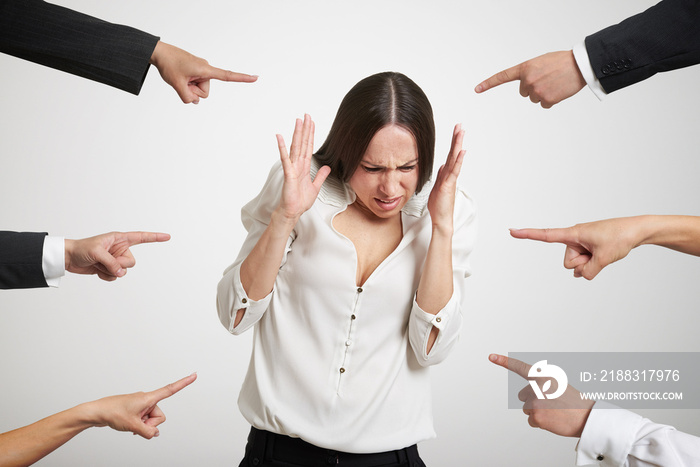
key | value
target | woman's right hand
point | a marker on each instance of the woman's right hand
(299, 191)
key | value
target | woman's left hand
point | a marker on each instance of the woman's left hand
(441, 202)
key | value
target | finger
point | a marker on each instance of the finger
(531, 420)
(110, 263)
(505, 76)
(438, 178)
(512, 364)
(526, 393)
(126, 260)
(145, 431)
(453, 143)
(522, 398)
(524, 89)
(99, 268)
(226, 75)
(136, 238)
(200, 88)
(321, 176)
(106, 277)
(294, 149)
(575, 256)
(545, 235)
(172, 388)
(155, 417)
(310, 146)
(102, 271)
(184, 92)
(457, 166)
(309, 150)
(284, 155)
(457, 141)
(305, 135)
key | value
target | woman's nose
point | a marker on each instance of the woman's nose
(390, 182)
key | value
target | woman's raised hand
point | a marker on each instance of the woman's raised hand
(299, 191)
(441, 202)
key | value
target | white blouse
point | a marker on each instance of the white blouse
(341, 366)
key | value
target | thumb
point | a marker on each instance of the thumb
(110, 263)
(321, 176)
(145, 431)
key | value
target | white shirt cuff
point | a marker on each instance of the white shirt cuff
(448, 321)
(53, 261)
(231, 297)
(608, 436)
(584, 65)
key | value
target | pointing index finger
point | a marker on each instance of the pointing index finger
(226, 75)
(545, 235)
(173, 388)
(505, 76)
(136, 238)
(516, 366)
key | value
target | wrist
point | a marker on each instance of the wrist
(69, 247)
(583, 419)
(86, 415)
(645, 229)
(157, 53)
(284, 221)
(443, 231)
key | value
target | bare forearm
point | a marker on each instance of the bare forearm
(680, 233)
(28, 444)
(259, 270)
(435, 287)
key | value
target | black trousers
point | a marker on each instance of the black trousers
(265, 449)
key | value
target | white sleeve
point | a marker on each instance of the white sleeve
(449, 319)
(615, 437)
(584, 65)
(255, 215)
(53, 260)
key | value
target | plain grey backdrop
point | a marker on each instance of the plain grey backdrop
(80, 158)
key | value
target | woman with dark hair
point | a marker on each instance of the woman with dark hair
(354, 282)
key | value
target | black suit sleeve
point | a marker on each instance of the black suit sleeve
(664, 37)
(76, 43)
(20, 260)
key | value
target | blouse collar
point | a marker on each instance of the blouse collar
(338, 193)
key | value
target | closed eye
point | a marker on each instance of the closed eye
(372, 170)
(407, 168)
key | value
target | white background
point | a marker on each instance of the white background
(81, 158)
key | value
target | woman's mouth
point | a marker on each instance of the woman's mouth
(387, 204)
